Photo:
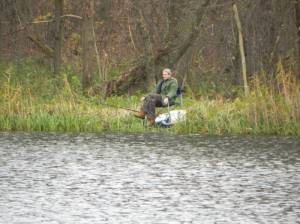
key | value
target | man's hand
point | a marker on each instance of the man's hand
(142, 98)
(166, 101)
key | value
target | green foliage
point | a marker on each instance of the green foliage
(31, 101)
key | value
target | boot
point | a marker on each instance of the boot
(140, 114)
(151, 120)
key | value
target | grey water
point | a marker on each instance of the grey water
(150, 178)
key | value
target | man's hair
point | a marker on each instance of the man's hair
(168, 71)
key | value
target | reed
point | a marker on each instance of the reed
(273, 107)
(28, 103)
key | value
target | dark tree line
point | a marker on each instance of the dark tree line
(220, 40)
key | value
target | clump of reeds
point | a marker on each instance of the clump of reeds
(66, 111)
(273, 107)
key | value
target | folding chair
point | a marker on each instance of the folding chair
(179, 94)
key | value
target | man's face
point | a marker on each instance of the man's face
(166, 75)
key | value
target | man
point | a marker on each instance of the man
(164, 95)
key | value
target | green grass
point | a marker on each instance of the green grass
(30, 102)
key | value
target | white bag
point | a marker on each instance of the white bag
(170, 118)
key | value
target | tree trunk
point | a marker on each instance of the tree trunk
(87, 45)
(148, 48)
(1, 30)
(297, 13)
(169, 56)
(242, 49)
(100, 74)
(58, 35)
(1, 40)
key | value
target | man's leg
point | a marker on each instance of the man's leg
(150, 102)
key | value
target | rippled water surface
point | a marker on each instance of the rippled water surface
(58, 178)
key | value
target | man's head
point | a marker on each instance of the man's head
(166, 74)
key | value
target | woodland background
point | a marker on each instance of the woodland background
(121, 46)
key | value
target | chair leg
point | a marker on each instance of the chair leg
(145, 121)
(181, 103)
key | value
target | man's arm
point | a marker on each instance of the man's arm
(173, 90)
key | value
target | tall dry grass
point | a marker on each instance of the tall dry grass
(28, 104)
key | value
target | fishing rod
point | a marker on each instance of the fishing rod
(118, 107)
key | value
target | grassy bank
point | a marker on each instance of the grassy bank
(29, 102)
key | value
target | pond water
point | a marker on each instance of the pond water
(150, 178)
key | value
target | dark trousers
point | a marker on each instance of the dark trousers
(150, 102)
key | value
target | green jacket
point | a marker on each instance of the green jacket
(168, 88)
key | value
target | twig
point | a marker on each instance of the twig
(130, 34)
(71, 16)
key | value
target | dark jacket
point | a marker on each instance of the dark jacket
(168, 88)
